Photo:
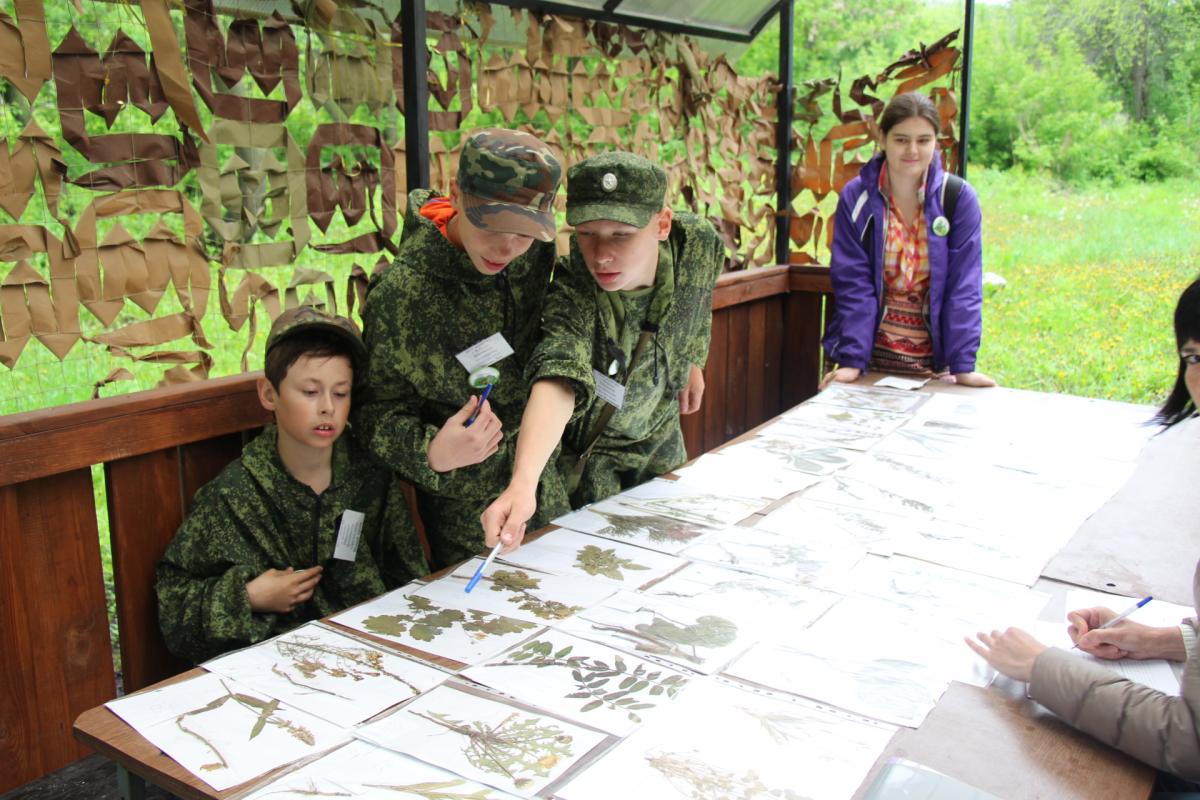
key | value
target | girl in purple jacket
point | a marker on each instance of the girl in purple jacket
(908, 282)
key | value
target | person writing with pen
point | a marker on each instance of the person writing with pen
(1160, 729)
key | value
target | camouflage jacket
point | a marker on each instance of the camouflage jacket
(255, 516)
(428, 306)
(644, 437)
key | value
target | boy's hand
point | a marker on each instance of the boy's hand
(505, 518)
(972, 379)
(456, 445)
(279, 591)
(689, 398)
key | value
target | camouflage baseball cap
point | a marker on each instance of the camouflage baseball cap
(508, 180)
(307, 318)
(617, 186)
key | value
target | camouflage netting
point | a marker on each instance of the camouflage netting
(156, 212)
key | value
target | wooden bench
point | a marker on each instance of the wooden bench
(158, 447)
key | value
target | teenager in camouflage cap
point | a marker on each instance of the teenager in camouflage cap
(254, 557)
(470, 266)
(630, 312)
(508, 181)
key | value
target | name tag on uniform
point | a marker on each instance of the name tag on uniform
(485, 352)
(348, 534)
(609, 390)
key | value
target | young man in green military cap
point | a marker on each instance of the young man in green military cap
(626, 345)
(304, 523)
(460, 308)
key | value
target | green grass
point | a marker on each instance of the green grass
(1093, 275)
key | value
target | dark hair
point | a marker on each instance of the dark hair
(1180, 405)
(906, 106)
(311, 343)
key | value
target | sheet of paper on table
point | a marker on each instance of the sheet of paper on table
(718, 472)
(680, 501)
(612, 520)
(663, 630)
(364, 771)
(806, 560)
(583, 681)
(485, 738)
(769, 454)
(339, 678)
(878, 398)
(723, 741)
(582, 556)
(801, 517)
(466, 636)
(225, 733)
(858, 421)
(539, 597)
(810, 431)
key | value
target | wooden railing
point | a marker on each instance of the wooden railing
(158, 447)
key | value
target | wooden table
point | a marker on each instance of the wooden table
(995, 739)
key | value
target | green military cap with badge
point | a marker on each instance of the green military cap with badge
(508, 181)
(308, 319)
(617, 186)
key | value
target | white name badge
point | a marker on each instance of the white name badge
(609, 390)
(485, 352)
(348, 534)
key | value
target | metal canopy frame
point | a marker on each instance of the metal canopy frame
(416, 92)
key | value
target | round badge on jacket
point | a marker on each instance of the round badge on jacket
(941, 226)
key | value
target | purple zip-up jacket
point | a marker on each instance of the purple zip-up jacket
(955, 305)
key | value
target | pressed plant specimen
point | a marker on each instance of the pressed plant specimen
(435, 790)
(604, 561)
(264, 712)
(516, 747)
(428, 620)
(694, 775)
(814, 460)
(310, 656)
(656, 528)
(666, 637)
(615, 687)
(521, 587)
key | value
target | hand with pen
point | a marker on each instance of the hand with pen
(1126, 639)
(470, 436)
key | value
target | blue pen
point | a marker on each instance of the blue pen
(1124, 614)
(486, 391)
(479, 572)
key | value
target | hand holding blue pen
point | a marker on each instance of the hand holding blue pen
(486, 562)
(1120, 617)
(482, 397)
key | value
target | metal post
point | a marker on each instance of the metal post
(964, 106)
(783, 137)
(416, 93)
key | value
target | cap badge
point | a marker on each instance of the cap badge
(609, 182)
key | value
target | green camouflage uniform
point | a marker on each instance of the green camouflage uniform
(424, 309)
(587, 328)
(255, 516)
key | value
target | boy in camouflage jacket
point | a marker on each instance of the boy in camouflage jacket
(629, 314)
(255, 555)
(470, 266)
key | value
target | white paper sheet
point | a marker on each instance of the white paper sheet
(719, 741)
(419, 623)
(583, 681)
(878, 398)
(485, 739)
(618, 522)
(680, 501)
(363, 771)
(858, 421)
(883, 678)
(809, 431)
(225, 733)
(808, 560)
(338, 678)
(538, 597)
(876, 531)
(719, 473)
(663, 630)
(769, 454)
(580, 556)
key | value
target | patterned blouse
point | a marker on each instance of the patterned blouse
(903, 343)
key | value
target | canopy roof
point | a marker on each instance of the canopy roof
(732, 20)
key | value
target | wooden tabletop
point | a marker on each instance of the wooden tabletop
(995, 739)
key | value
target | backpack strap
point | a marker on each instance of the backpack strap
(951, 188)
